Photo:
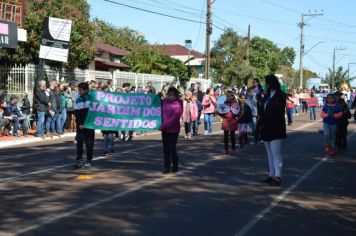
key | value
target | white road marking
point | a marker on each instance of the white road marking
(71, 164)
(50, 219)
(282, 196)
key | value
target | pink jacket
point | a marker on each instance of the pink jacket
(209, 105)
(171, 114)
(194, 112)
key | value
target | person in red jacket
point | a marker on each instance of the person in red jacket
(313, 103)
(172, 110)
(290, 109)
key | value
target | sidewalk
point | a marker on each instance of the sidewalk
(9, 141)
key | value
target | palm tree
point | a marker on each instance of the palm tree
(340, 77)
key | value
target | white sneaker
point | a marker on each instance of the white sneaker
(87, 164)
(206, 132)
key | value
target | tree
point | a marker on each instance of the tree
(340, 77)
(228, 58)
(81, 50)
(121, 37)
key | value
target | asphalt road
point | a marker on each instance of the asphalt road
(213, 194)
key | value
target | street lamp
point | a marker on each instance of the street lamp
(301, 67)
(188, 45)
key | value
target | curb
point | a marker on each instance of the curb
(11, 143)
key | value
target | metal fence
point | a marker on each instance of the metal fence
(16, 80)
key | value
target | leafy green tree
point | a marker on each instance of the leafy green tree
(121, 37)
(228, 58)
(81, 50)
(340, 77)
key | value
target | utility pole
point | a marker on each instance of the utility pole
(248, 45)
(302, 46)
(334, 58)
(207, 39)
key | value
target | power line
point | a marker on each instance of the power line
(280, 6)
(316, 62)
(201, 18)
(153, 12)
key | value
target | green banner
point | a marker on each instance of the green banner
(123, 111)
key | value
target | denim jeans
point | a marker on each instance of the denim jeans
(312, 113)
(63, 120)
(16, 122)
(330, 134)
(56, 125)
(109, 144)
(40, 123)
(296, 108)
(196, 126)
(208, 122)
(290, 112)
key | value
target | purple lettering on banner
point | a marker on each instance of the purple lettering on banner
(98, 121)
(153, 124)
(120, 110)
(142, 100)
(135, 111)
(100, 107)
(111, 109)
(130, 124)
(148, 100)
(146, 112)
(107, 122)
(100, 95)
(145, 123)
(115, 122)
(158, 111)
(123, 123)
(133, 100)
(109, 97)
(117, 99)
(137, 123)
(93, 106)
(126, 100)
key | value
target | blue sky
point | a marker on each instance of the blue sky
(273, 19)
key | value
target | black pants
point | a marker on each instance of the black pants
(230, 134)
(87, 137)
(341, 136)
(170, 150)
(188, 127)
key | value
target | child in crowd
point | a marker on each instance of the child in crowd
(172, 110)
(330, 113)
(313, 103)
(246, 118)
(341, 133)
(229, 113)
(84, 135)
(190, 113)
(209, 103)
(109, 141)
(290, 109)
(195, 124)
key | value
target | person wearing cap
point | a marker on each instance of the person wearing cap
(331, 113)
